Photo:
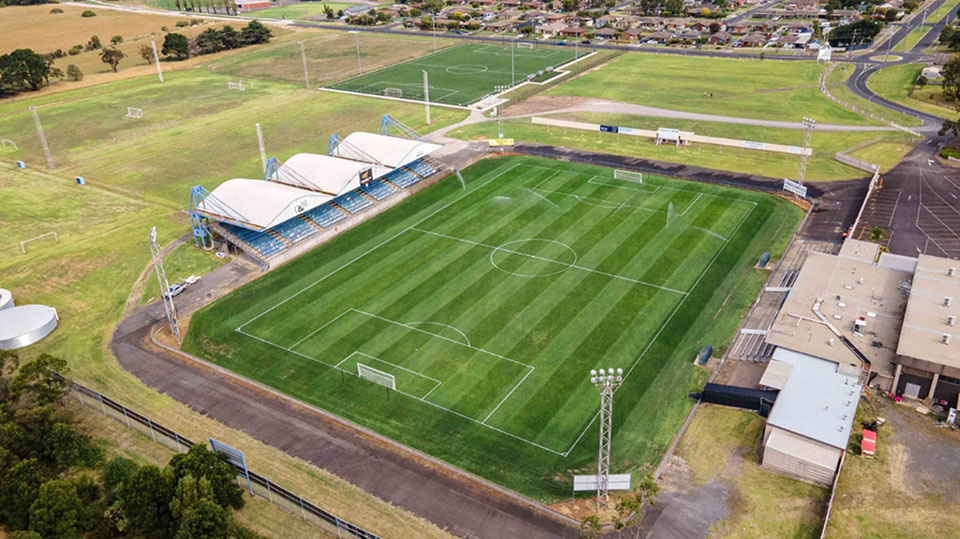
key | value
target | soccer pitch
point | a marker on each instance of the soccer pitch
(490, 305)
(461, 75)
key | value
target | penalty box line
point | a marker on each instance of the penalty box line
(411, 371)
(482, 423)
(664, 326)
(544, 259)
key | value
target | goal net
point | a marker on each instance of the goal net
(393, 92)
(376, 376)
(133, 112)
(523, 45)
(236, 86)
(628, 175)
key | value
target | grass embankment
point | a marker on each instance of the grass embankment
(194, 130)
(720, 445)
(820, 167)
(560, 320)
(898, 84)
(836, 83)
(766, 90)
(182, 262)
(883, 496)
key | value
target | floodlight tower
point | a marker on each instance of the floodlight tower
(607, 382)
(168, 305)
(498, 91)
(809, 124)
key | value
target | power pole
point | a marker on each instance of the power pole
(513, 70)
(607, 383)
(165, 296)
(809, 125)
(303, 56)
(43, 139)
(263, 153)
(426, 94)
(156, 59)
(356, 36)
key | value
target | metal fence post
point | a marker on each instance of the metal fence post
(102, 409)
(302, 513)
(177, 438)
(150, 426)
(125, 417)
(338, 528)
(269, 494)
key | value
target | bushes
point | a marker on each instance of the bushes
(116, 40)
(93, 44)
(87, 14)
(212, 40)
(56, 10)
(182, 24)
(75, 50)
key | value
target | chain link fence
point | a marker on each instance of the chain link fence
(261, 485)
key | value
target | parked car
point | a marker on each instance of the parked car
(174, 290)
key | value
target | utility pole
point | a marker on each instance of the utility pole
(156, 58)
(303, 56)
(263, 153)
(426, 94)
(43, 139)
(809, 125)
(607, 382)
(356, 36)
(165, 295)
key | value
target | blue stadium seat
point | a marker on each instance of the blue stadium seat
(295, 229)
(378, 189)
(262, 242)
(353, 202)
(402, 177)
(422, 168)
(325, 215)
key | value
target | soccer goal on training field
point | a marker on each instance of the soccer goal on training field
(393, 92)
(236, 86)
(523, 45)
(133, 112)
(628, 175)
(376, 376)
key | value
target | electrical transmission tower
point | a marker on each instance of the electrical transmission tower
(607, 382)
(165, 295)
(809, 125)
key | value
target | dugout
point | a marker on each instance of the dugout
(739, 397)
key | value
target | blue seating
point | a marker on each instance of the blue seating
(402, 177)
(422, 168)
(353, 202)
(263, 242)
(378, 189)
(295, 229)
(325, 215)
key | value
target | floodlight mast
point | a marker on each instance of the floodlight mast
(607, 382)
(809, 124)
(165, 296)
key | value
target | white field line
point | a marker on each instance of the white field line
(544, 259)
(462, 334)
(665, 323)
(411, 371)
(387, 97)
(552, 203)
(421, 399)
(314, 332)
(377, 246)
(594, 181)
(379, 86)
(504, 399)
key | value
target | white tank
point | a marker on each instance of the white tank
(24, 325)
(6, 299)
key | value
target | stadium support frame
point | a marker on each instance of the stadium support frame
(201, 233)
(388, 123)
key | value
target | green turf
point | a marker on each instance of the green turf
(836, 82)
(300, 10)
(761, 89)
(461, 75)
(898, 84)
(490, 305)
(911, 39)
(179, 264)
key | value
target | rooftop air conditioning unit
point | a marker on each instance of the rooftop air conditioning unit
(951, 320)
(945, 339)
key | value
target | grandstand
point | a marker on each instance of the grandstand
(309, 198)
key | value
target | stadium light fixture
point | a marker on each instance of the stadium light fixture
(356, 35)
(607, 381)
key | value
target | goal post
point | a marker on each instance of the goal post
(393, 92)
(628, 175)
(525, 45)
(134, 112)
(376, 376)
(236, 86)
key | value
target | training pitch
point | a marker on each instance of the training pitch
(489, 306)
(462, 75)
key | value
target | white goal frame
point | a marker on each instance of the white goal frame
(376, 376)
(628, 175)
(236, 86)
(523, 45)
(134, 112)
(393, 92)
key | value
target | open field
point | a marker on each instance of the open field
(160, 156)
(836, 84)
(720, 446)
(820, 167)
(896, 83)
(766, 90)
(463, 74)
(331, 56)
(300, 10)
(489, 306)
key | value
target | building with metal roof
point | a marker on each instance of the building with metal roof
(258, 205)
(324, 173)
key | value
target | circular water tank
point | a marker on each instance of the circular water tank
(24, 325)
(6, 299)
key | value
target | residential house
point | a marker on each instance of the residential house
(607, 33)
(500, 26)
(753, 40)
(720, 38)
(574, 32)
(552, 29)
(661, 36)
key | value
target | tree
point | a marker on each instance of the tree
(255, 33)
(569, 5)
(112, 56)
(857, 33)
(922, 81)
(433, 6)
(714, 27)
(116, 40)
(87, 14)
(20, 486)
(118, 471)
(41, 378)
(590, 527)
(201, 462)
(93, 44)
(951, 81)
(630, 508)
(176, 45)
(890, 15)
(22, 68)
(206, 520)
(57, 510)
(146, 52)
(674, 7)
(877, 233)
(145, 499)
(328, 11)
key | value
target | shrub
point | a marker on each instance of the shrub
(116, 40)
(75, 50)
(950, 152)
(56, 10)
(93, 44)
(164, 29)
(88, 14)
(181, 24)
(74, 73)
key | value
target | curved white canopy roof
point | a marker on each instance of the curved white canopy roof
(390, 151)
(259, 204)
(331, 175)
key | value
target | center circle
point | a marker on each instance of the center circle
(466, 69)
(533, 257)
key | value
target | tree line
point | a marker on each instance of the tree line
(212, 40)
(56, 482)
